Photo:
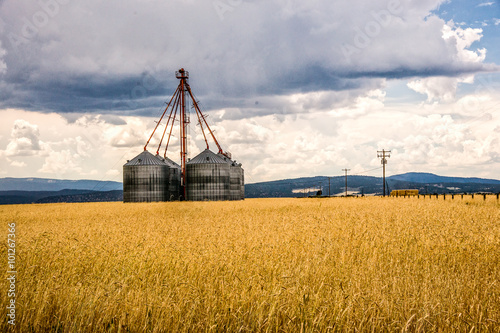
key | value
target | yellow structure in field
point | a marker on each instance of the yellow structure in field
(402, 193)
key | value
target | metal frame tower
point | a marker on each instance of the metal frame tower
(178, 104)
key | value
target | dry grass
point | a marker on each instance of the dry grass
(265, 265)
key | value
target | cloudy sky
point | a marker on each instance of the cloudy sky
(292, 88)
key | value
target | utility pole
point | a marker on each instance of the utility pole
(384, 154)
(329, 186)
(346, 180)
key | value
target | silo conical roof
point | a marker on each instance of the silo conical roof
(171, 163)
(228, 160)
(207, 157)
(225, 158)
(145, 158)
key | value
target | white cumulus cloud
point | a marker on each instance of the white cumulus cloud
(18, 164)
(59, 163)
(444, 88)
(24, 140)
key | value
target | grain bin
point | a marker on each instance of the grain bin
(242, 188)
(145, 179)
(236, 179)
(174, 180)
(208, 177)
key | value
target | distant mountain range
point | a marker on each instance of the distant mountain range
(430, 178)
(45, 184)
(27, 197)
(42, 190)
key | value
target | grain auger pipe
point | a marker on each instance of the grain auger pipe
(168, 122)
(170, 133)
(163, 114)
(202, 116)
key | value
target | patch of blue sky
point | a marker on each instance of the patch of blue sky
(483, 14)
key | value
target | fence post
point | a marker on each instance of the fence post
(472, 195)
(484, 196)
(452, 196)
(444, 196)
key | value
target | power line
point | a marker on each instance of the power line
(366, 171)
(306, 182)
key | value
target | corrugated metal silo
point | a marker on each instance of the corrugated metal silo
(145, 179)
(236, 179)
(242, 187)
(174, 180)
(208, 177)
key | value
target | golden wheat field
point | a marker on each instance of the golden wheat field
(260, 265)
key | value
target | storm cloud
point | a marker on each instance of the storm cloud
(120, 56)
